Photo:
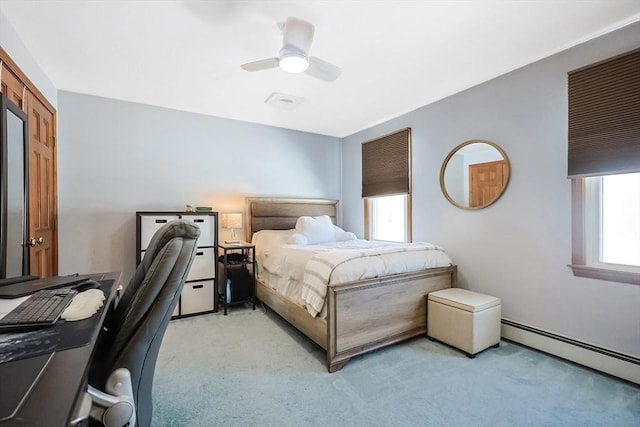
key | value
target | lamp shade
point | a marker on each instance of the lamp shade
(231, 220)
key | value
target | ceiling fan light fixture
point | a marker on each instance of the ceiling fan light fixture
(294, 63)
(293, 57)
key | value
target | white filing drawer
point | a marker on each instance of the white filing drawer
(149, 224)
(197, 297)
(203, 264)
(205, 222)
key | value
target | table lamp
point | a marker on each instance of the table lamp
(232, 221)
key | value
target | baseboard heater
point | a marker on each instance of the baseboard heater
(601, 359)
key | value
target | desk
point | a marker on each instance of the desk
(56, 379)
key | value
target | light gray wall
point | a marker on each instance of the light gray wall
(116, 158)
(18, 52)
(519, 247)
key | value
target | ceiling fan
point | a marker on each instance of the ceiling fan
(294, 55)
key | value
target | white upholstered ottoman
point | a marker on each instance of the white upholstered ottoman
(464, 319)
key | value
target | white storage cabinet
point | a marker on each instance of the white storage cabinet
(198, 294)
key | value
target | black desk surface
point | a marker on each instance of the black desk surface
(51, 383)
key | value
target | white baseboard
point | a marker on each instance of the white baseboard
(601, 359)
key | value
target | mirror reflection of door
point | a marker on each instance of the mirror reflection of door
(474, 174)
(486, 181)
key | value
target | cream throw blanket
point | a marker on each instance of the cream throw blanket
(317, 274)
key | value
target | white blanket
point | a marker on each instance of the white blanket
(319, 269)
(282, 266)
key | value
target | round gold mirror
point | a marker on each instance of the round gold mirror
(474, 174)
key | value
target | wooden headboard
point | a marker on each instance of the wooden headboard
(282, 214)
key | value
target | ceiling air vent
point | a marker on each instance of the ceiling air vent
(281, 100)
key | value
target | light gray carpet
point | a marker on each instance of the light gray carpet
(251, 368)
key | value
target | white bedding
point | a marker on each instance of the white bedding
(283, 266)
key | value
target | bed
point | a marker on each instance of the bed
(360, 315)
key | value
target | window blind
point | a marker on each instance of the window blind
(604, 117)
(386, 165)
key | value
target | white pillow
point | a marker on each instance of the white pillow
(267, 239)
(316, 229)
(342, 236)
(297, 239)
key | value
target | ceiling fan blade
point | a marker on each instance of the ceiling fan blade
(263, 64)
(298, 34)
(322, 70)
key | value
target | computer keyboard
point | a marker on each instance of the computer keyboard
(43, 308)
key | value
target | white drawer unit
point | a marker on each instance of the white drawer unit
(207, 235)
(150, 224)
(198, 294)
(197, 297)
(203, 266)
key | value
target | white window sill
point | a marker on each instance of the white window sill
(611, 272)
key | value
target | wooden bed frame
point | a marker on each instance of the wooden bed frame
(361, 316)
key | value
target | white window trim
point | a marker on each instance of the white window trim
(407, 218)
(585, 242)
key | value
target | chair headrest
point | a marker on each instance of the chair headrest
(173, 229)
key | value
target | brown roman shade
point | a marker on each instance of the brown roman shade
(604, 117)
(386, 165)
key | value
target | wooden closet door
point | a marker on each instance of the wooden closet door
(42, 189)
(12, 87)
(43, 194)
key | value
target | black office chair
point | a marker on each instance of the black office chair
(127, 351)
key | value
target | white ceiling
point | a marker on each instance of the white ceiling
(395, 56)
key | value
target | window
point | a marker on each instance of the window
(386, 187)
(387, 218)
(604, 165)
(611, 227)
(606, 227)
(620, 219)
